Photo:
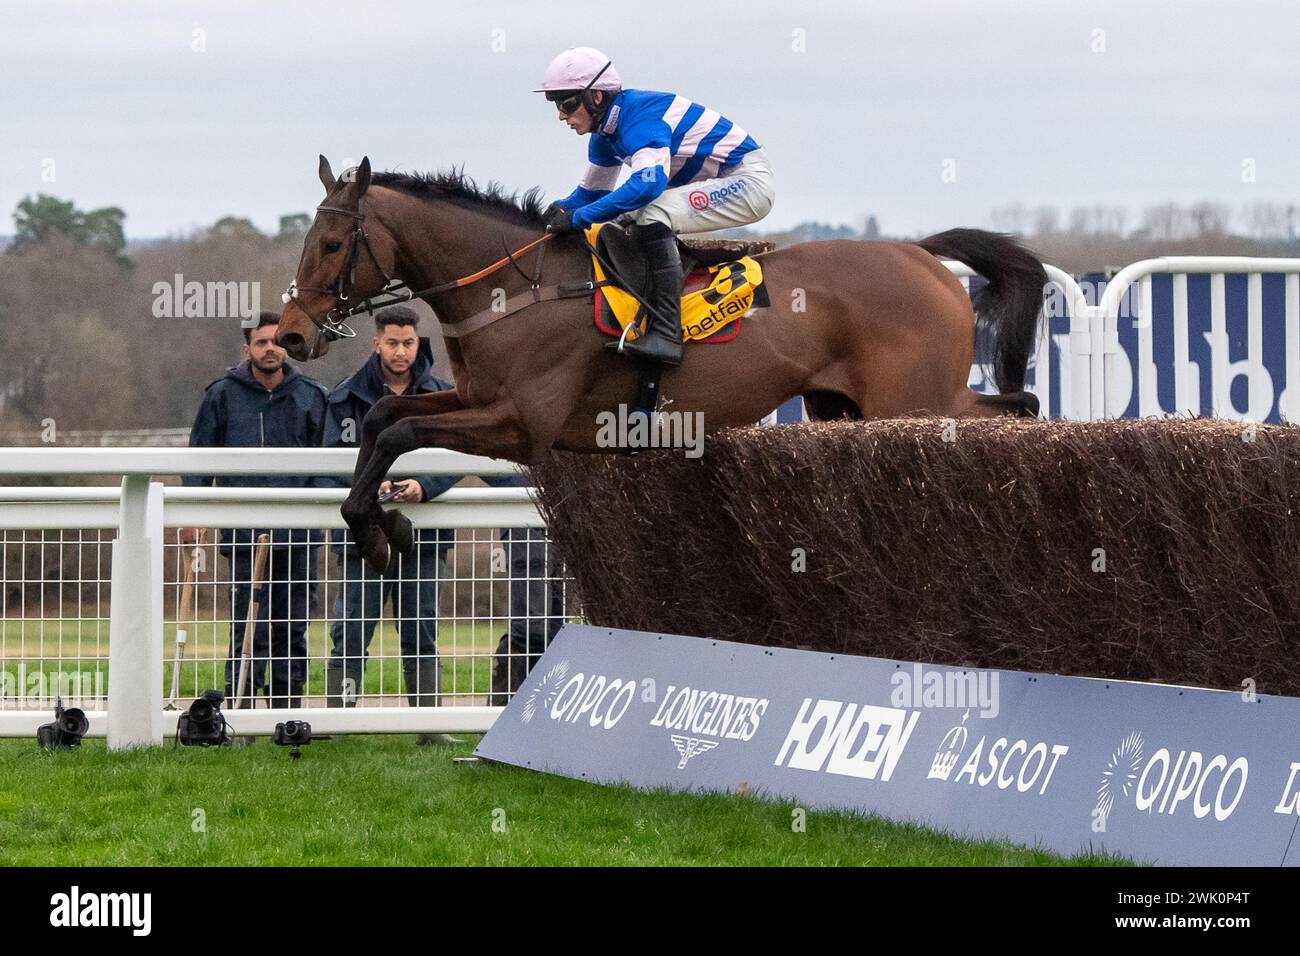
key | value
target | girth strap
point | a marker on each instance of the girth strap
(517, 302)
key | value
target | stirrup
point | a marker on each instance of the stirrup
(628, 349)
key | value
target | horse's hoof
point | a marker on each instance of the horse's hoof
(381, 560)
(398, 530)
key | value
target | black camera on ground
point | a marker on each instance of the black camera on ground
(292, 733)
(66, 730)
(203, 724)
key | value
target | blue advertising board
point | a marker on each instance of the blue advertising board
(1152, 772)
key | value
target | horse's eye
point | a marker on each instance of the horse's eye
(331, 247)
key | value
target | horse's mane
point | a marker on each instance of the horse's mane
(455, 186)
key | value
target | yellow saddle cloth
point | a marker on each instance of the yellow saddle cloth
(725, 292)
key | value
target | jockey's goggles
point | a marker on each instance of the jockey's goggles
(568, 105)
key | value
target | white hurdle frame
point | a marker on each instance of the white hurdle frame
(1090, 373)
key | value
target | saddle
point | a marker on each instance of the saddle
(616, 245)
(723, 282)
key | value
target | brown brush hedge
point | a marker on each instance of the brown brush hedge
(1157, 550)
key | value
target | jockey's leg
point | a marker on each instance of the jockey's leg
(741, 195)
(662, 341)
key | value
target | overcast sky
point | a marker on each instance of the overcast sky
(859, 104)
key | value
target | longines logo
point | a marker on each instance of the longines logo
(708, 713)
(689, 747)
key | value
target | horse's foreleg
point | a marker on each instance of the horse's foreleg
(392, 409)
(492, 431)
(361, 511)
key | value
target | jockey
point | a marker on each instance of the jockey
(692, 171)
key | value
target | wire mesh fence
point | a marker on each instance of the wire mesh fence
(310, 624)
(465, 602)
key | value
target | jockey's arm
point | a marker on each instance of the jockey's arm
(600, 178)
(649, 159)
(648, 180)
(581, 197)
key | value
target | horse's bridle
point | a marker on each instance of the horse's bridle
(333, 324)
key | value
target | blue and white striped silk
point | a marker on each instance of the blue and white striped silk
(665, 139)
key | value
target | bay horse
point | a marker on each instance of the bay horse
(859, 329)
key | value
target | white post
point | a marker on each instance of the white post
(1080, 359)
(1291, 414)
(1114, 399)
(135, 645)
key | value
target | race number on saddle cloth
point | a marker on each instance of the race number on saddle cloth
(715, 297)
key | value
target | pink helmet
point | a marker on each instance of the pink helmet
(580, 68)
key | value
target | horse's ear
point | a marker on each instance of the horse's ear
(363, 175)
(326, 175)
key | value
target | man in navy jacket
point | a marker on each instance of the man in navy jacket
(265, 402)
(396, 367)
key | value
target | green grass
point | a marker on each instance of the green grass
(381, 800)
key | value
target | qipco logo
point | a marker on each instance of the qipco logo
(593, 696)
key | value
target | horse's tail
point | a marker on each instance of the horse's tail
(1009, 306)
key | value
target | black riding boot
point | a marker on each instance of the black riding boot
(662, 342)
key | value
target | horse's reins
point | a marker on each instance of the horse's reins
(333, 324)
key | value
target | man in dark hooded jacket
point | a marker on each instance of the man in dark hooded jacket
(265, 402)
(396, 367)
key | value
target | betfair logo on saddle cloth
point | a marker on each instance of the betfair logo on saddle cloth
(728, 295)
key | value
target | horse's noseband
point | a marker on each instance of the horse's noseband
(333, 325)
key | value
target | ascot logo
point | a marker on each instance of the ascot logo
(949, 752)
(1001, 761)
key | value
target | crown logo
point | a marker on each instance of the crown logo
(949, 752)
